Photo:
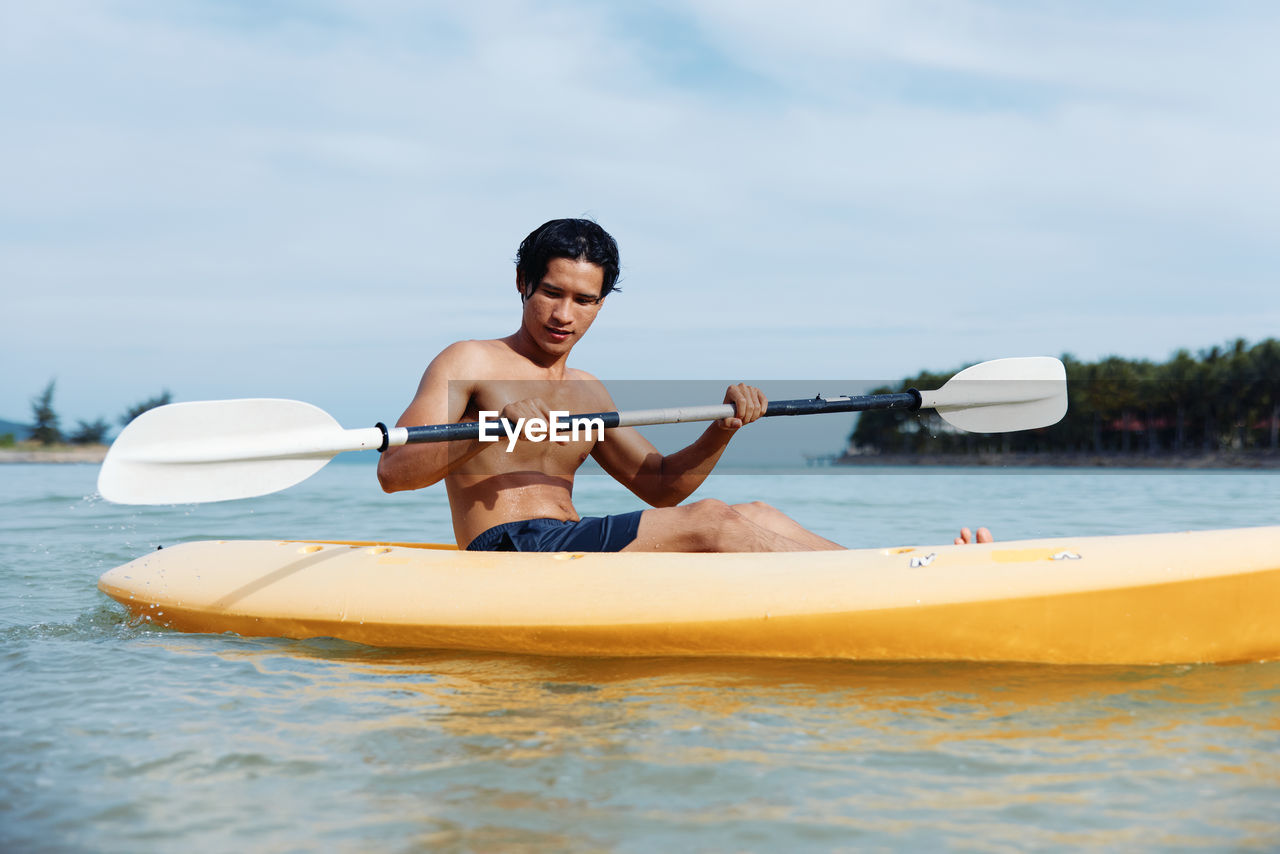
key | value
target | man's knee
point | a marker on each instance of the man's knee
(713, 523)
(711, 511)
(754, 510)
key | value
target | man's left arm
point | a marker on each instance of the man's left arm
(664, 480)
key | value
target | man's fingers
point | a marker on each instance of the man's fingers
(757, 402)
(530, 407)
(749, 404)
(534, 410)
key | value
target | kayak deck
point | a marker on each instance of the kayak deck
(1208, 596)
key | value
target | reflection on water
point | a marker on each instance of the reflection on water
(577, 753)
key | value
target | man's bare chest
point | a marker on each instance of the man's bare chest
(528, 445)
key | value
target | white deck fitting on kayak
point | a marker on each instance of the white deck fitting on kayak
(1208, 596)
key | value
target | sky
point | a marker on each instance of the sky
(310, 199)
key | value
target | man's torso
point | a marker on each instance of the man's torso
(534, 479)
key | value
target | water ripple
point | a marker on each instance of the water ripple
(121, 736)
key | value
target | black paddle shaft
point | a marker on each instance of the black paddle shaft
(909, 400)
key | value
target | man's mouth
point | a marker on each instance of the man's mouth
(558, 334)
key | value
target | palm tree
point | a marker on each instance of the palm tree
(1178, 374)
(1264, 387)
(1209, 400)
(46, 430)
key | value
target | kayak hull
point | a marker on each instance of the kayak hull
(1209, 596)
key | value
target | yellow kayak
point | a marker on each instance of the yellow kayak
(1207, 596)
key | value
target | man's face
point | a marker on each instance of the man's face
(564, 304)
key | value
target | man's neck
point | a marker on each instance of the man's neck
(523, 345)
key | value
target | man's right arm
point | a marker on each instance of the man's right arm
(441, 398)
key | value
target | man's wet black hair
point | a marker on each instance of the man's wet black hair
(575, 239)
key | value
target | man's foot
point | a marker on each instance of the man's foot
(966, 537)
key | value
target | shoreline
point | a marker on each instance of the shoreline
(59, 454)
(1210, 460)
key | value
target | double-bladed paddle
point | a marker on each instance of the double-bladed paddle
(217, 450)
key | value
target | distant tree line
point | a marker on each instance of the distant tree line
(1222, 399)
(45, 421)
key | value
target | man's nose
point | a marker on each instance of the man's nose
(563, 310)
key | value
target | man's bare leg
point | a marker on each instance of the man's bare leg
(773, 519)
(713, 526)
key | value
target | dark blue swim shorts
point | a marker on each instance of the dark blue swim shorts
(592, 534)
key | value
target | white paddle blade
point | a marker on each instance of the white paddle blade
(1003, 395)
(217, 450)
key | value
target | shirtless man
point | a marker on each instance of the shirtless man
(521, 499)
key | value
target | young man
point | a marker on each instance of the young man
(518, 496)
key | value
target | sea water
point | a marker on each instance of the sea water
(119, 736)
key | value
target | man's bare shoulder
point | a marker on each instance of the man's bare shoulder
(472, 356)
